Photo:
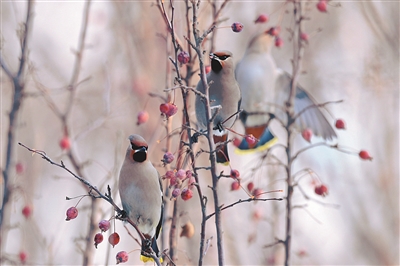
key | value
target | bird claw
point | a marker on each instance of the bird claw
(147, 244)
(219, 127)
(122, 215)
(195, 137)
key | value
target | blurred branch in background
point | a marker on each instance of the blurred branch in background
(142, 55)
(18, 81)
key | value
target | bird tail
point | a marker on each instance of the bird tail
(222, 149)
(145, 249)
(265, 140)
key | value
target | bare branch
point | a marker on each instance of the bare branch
(278, 241)
(242, 201)
(107, 196)
(332, 205)
(17, 98)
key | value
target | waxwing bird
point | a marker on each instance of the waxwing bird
(141, 194)
(223, 92)
(264, 86)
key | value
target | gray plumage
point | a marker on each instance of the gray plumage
(224, 92)
(264, 86)
(140, 190)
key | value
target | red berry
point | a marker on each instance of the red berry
(142, 117)
(72, 213)
(208, 69)
(168, 158)
(261, 19)
(302, 253)
(189, 174)
(274, 31)
(27, 211)
(186, 194)
(181, 174)
(169, 109)
(278, 42)
(173, 181)
(22, 256)
(304, 36)
(250, 139)
(122, 256)
(321, 6)
(236, 142)
(19, 168)
(172, 109)
(176, 192)
(365, 155)
(235, 185)
(257, 215)
(340, 124)
(321, 190)
(257, 193)
(65, 143)
(307, 134)
(191, 182)
(183, 57)
(113, 239)
(164, 107)
(235, 174)
(169, 174)
(98, 238)
(250, 186)
(237, 27)
(104, 225)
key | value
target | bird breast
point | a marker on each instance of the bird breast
(141, 195)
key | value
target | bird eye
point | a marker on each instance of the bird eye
(135, 147)
(223, 57)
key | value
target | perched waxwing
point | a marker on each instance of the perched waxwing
(141, 193)
(264, 86)
(224, 92)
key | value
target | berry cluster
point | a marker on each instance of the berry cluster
(255, 192)
(168, 109)
(176, 181)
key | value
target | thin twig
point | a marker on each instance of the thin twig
(242, 201)
(18, 96)
(106, 196)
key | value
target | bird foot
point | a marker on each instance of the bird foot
(219, 127)
(122, 215)
(147, 245)
(195, 137)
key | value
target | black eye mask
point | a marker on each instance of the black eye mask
(223, 57)
(139, 153)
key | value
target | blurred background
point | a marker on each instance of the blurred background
(355, 58)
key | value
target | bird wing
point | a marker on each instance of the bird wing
(312, 118)
(255, 76)
(159, 226)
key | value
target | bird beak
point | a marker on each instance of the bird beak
(212, 56)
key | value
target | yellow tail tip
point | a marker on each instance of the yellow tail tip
(147, 259)
(264, 147)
